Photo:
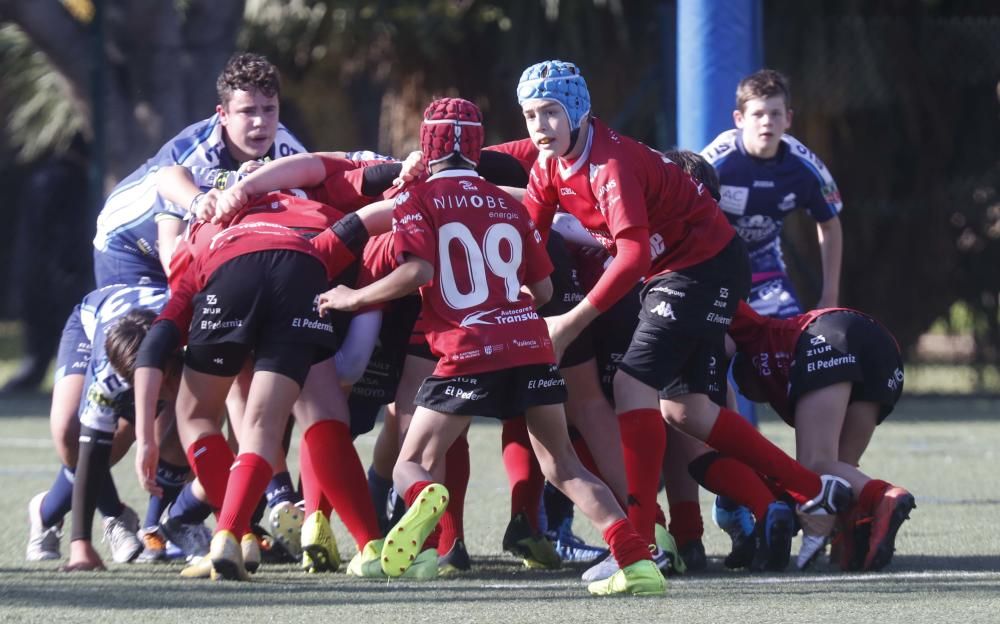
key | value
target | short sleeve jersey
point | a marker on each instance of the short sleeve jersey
(770, 344)
(618, 183)
(758, 193)
(523, 150)
(106, 395)
(125, 247)
(483, 246)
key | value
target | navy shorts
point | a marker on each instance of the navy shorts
(499, 394)
(679, 344)
(775, 298)
(74, 347)
(848, 346)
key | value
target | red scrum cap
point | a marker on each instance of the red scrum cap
(451, 126)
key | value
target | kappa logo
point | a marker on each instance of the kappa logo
(665, 310)
(476, 318)
(218, 361)
(817, 340)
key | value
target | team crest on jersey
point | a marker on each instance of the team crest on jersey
(831, 194)
(787, 203)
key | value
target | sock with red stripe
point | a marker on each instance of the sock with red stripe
(523, 472)
(211, 458)
(626, 545)
(735, 437)
(871, 494)
(457, 481)
(732, 478)
(644, 442)
(685, 522)
(247, 480)
(341, 476)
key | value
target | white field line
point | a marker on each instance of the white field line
(789, 579)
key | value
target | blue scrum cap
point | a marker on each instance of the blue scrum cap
(559, 81)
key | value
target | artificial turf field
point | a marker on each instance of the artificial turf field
(947, 566)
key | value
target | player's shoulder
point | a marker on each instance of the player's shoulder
(806, 158)
(721, 147)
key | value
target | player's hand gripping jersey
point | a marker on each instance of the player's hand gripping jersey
(483, 246)
(125, 247)
(757, 194)
(619, 183)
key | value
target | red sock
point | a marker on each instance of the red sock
(211, 458)
(734, 479)
(734, 436)
(411, 495)
(247, 482)
(871, 494)
(338, 469)
(625, 543)
(312, 492)
(644, 442)
(456, 479)
(685, 522)
(523, 472)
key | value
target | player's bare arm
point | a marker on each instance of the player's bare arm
(831, 248)
(411, 275)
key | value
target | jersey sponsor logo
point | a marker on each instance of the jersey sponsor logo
(763, 183)
(442, 202)
(734, 199)
(819, 350)
(817, 340)
(525, 344)
(517, 316)
(210, 325)
(466, 355)
(211, 299)
(831, 362)
(539, 384)
(476, 318)
(830, 192)
(416, 216)
(896, 381)
(756, 228)
(664, 309)
(219, 361)
(787, 203)
(306, 323)
(656, 246)
(491, 349)
(565, 190)
(668, 290)
(721, 319)
(466, 395)
(468, 185)
(604, 188)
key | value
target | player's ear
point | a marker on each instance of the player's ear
(788, 116)
(222, 112)
(738, 118)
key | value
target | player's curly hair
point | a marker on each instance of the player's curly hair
(762, 84)
(698, 168)
(123, 340)
(247, 72)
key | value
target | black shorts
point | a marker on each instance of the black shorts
(364, 413)
(848, 346)
(612, 333)
(679, 344)
(263, 302)
(499, 394)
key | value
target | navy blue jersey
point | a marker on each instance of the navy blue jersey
(125, 247)
(758, 193)
(106, 394)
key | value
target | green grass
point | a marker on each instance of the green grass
(947, 565)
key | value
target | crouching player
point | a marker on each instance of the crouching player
(833, 374)
(472, 250)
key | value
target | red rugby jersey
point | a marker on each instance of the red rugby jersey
(483, 246)
(619, 183)
(523, 150)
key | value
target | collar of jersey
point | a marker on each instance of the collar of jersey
(567, 172)
(455, 173)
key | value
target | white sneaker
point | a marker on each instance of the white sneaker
(602, 570)
(812, 547)
(120, 535)
(192, 539)
(43, 542)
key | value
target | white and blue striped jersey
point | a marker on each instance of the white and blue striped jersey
(125, 247)
(106, 394)
(758, 193)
